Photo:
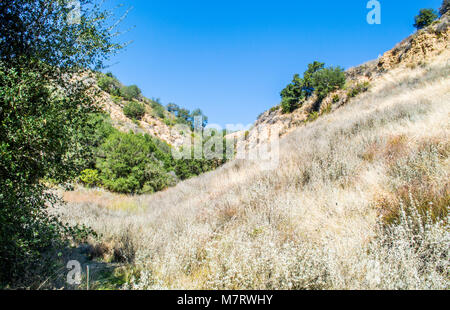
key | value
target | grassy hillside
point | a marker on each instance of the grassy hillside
(359, 201)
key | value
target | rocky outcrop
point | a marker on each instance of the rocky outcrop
(149, 124)
(419, 47)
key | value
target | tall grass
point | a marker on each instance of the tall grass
(334, 215)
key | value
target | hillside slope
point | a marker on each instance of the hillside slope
(418, 49)
(345, 209)
(150, 123)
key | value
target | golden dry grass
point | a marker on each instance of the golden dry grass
(314, 222)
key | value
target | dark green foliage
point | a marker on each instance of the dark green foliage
(186, 117)
(109, 83)
(173, 108)
(445, 7)
(40, 52)
(134, 110)
(316, 79)
(292, 95)
(88, 139)
(328, 80)
(130, 92)
(425, 18)
(131, 163)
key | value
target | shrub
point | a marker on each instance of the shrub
(274, 109)
(445, 7)
(300, 89)
(109, 83)
(130, 92)
(336, 98)
(131, 163)
(158, 109)
(327, 80)
(359, 88)
(40, 51)
(425, 18)
(316, 79)
(89, 177)
(97, 128)
(134, 110)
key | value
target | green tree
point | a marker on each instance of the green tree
(292, 95)
(309, 82)
(445, 7)
(134, 110)
(316, 79)
(173, 108)
(109, 83)
(46, 97)
(130, 92)
(131, 163)
(425, 18)
(328, 80)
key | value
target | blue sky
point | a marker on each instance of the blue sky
(232, 58)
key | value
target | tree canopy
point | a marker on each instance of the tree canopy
(316, 79)
(46, 95)
(425, 18)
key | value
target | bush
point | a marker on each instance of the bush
(109, 83)
(131, 163)
(97, 128)
(316, 79)
(300, 89)
(158, 109)
(134, 110)
(359, 88)
(445, 7)
(328, 80)
(89, 177)
(130, 92)
(41, 52)
(425, 18)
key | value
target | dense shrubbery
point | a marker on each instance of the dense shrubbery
(134, 110)
(328, 80)
(130, 92)
(425, 18)
(184, 116)
(131, 163)
(40, 51)
(316, 79)
(445, 7)
(109, 83)
(134, 163)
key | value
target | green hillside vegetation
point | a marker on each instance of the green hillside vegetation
(134, 103)
(425, 18)
(316, 80)
(133, 163)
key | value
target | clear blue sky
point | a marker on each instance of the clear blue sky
(232, 58)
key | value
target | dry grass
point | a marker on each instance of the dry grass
(314, 223)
